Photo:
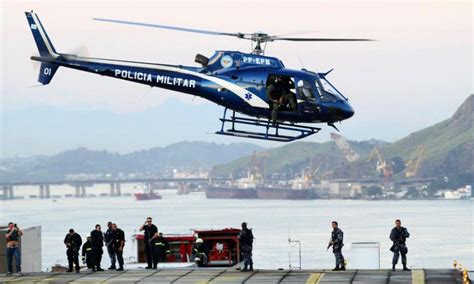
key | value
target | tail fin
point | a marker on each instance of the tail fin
(47, 72)
(45, 47)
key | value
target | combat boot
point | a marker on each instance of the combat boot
(343, 268)
(336, 268)
(405, 268)
(251, 267)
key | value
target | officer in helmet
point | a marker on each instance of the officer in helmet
(200, 252)
(88, 253)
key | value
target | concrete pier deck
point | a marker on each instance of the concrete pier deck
(383, 276)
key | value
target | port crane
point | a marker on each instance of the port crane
(382, 165)
(413, 165)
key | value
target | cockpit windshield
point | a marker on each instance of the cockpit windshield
(330, 93)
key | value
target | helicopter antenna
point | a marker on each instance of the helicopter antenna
(256, 38)
(301, 61)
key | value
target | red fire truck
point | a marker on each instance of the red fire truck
(223, 247)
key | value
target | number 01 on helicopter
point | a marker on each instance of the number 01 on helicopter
(262, 99)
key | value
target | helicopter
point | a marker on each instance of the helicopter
(236, 80)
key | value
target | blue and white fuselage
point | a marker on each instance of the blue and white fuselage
(232, 79)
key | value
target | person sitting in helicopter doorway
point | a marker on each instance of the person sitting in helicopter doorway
(279, 95)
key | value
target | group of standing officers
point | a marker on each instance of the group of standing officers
(398, 236)
(157, 248)
(92, 249)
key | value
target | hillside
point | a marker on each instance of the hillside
(440, 139)
(292, 158)
(183, 156)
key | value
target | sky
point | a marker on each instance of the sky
(416, 73)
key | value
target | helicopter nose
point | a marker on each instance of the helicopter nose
(341, 111)
(348, 111)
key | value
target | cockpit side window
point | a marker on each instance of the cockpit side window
(305, 91)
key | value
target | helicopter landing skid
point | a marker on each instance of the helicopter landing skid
(272, 130)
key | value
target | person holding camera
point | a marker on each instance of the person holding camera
(398, 235)
(73, 242)
(150, 235)
(13, 248)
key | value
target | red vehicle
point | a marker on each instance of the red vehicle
(223, 245)
(146, 195)
(146, 192)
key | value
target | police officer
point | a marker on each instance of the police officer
(73, 243)
(200, 252)
(87, 253)
(337, 242)
(97, 240)
(278, 93)
(161, 248)
(118, 244)
(13, 249)
(246, 242)
(108, 239)
(149, 234)
(398, 235)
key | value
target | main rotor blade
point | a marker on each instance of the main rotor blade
(168, 27)
(321, 39)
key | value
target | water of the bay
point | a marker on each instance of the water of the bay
(441, 230)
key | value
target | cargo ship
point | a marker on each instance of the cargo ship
(145, 192)
(300, 188)
(286, 192)
(229, 192)
(244, 188)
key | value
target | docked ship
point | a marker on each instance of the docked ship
(244, 188)
(300, 188)
(286, 192)
(145, 192)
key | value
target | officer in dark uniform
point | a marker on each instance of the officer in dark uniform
(73, 243)
(398, 235)
(97, 240)
(118, 244)
(161, 249)
(337, 242)
(87, 253)
(246, 242)
(108, 239)
(279, 94)
(149, 234)
(201, 253)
